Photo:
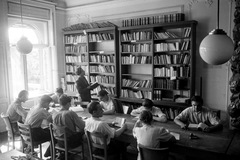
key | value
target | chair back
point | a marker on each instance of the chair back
(8, 125)
(26, 134)
(148, 153)
(92, 145)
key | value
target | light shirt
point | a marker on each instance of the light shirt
(190, 115)
(107, 105)
(97, 125)
(16, 112)
(36, 116)
(69, 119)
(155, 111)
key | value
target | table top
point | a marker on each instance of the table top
(216, 142)
(234, 148)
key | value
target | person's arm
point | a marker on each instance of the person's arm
(119, 131)
(213, 128)
(138, 124)
(179, 119)
(22, 112)
(215, 123)
(136, 112)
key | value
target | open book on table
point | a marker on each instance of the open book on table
(119, 121)
(200, 126)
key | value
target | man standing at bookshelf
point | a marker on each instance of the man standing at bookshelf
(198, 114)
(148, 105)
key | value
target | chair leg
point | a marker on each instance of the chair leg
(82, 152)
(8, 145)
(13, 141)
(40, 146)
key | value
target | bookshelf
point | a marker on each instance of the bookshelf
(95, 50)
(158, 62)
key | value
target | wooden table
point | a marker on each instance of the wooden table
(216, 145)
(7, 155)
(234, 149)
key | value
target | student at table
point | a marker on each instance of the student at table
(95, 124)
(107, 103)
(149, 135)
(70, 119)
(147, 104)
(196, 114)
(57, 95)
(35, 118)
(16, 112)
(83, 86)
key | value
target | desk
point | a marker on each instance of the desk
(234, 149)
(209, 145)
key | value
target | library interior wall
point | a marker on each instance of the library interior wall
(215, 91)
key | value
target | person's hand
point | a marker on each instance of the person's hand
(124, 126)
(184, 126)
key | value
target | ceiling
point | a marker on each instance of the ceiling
(74, 3)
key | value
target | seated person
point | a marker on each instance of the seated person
(106, 102)
(198, 114)
(35, 118)
(156, 112)
(149, 135)
(70, 119)
(16, 112)
(57, 95)
(95, 124)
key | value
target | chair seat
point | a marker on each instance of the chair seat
(70, 150)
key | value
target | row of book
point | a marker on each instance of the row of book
(177, 71)
(183, 58)
(71, 87)
(71, 39)
(77, 59)
(73, 68)
(164, 35)
(103, 68)
(134, 59)
(174, 46)
(102, 79)
(137, 83)
(102, 58)
(136, 94)
(85, 26)
(145, 47)
(154, 19)
(71, 78)
(76, 49)
(100, 37)
(110, 90)
(142, 35)
(170, 84)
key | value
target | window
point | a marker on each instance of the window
(31, 72)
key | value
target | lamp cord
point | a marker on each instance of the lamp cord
(218, 14)
(21, 15)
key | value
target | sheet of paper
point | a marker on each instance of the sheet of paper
(77, 109)
(176, 135)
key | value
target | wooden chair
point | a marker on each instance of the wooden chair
(118, 105)
(12, 136)
(148, 153)
(92, 146)
(78, 150)
(26, 136)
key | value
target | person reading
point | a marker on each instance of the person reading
(107, 103)
(57, 95)
(198, 114)
(95, 124)
(16, 112)
(147, 104)
(149, 135)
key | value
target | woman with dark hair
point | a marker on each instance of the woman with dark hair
(149, 135)
(83, 86)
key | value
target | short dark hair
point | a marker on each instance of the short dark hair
(22, 93)
(59, 90)
(79, 70)
(146, 117)
(45, 99)
(147, 103)
(93, 106)
(102, 93)
(64, 99)
(197, 99)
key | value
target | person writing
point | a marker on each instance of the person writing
(69, 119)
(16, 112)
(147, 104)
(83, 86)
(95, 124)
(149, 135)
(196, 114)
(107, 103)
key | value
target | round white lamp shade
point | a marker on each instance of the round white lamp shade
(24, 46)
(216, 49)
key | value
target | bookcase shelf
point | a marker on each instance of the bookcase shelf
(92, 49)
(171, 48)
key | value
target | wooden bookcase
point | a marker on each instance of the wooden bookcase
(158, 62)
(95, 50)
